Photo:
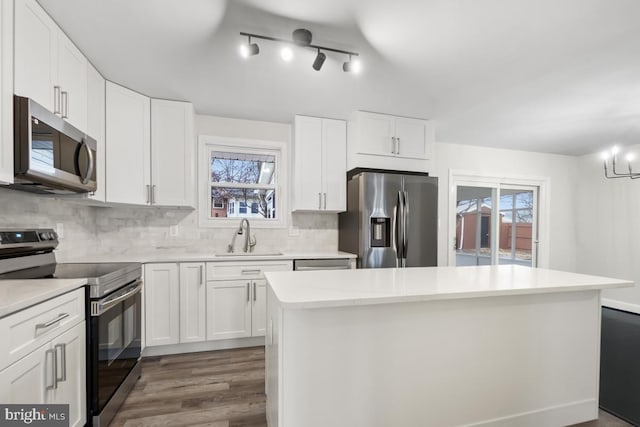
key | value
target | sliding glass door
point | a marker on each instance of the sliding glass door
(495, 223)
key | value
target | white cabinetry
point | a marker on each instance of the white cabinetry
(320, 164)
(236, 298)
(6, 92)
(192, 302)
(48, 66)
(149, 148)
(174, 303)
(389, 142)
(172, 161)
(96, 126)
(162, 308)
(44, 359)
(128, 146)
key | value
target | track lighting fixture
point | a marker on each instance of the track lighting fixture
(300, 37)
(249, 49)
(320, 58)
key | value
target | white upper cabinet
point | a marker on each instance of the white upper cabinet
(6, 92)
(48, 67)
(319, 164)
(96, 126)
(128, 146)
(172, 148)
(389, 142)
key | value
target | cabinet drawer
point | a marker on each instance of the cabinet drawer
(245, 269)
(26, 330)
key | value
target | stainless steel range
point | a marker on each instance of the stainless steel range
(113, 313)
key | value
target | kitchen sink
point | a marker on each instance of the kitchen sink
(249, 254)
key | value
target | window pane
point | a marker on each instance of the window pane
(243, 202)
(242, 168)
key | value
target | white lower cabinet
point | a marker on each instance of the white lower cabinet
(174, 303)
(162, 309)
(228, 309)
(236, 298)
(192, 302)
(55, 370)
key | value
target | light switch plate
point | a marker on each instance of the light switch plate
(173, 230)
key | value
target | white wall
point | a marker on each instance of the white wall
(561, 171)
(607, 216)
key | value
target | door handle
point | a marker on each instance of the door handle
(54, 367)
(254, 291)
(90, 163)
(56, 100)
(319, 200)
(248, 291)
(405, 221)
(325, 201)
(201, 275)
(398, 145)
(65, 104)
(63, 361)
(153, 194)
(393, 145)
(148, 194)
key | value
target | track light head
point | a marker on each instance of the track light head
(249, 49)
(351, 66)
(320, 58)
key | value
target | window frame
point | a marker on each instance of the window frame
(278, 149)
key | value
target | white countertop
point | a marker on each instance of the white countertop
(159, 256)
(316, 289)
(16, 295)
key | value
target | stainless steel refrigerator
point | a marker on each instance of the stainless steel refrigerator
(391, 219)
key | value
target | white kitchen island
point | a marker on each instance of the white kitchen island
(442, 346)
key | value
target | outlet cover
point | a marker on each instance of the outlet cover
(60, 230)
(173, 230)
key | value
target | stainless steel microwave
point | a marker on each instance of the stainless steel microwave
(50, 155)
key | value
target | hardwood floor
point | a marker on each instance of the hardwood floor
(217, 389)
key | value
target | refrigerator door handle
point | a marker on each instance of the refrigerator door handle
(400, 229)
(405, 221)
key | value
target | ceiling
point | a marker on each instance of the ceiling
(558, 76)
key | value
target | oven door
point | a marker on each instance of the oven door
(114, 340)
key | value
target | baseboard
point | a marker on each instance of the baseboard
(195, 347)
(561, 415)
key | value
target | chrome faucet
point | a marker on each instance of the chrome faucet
(249, 242)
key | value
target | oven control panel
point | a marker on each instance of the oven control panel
(22, 237)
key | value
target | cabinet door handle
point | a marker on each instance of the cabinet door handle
(398, 145)
(65, 104)
(52, 322)
(63, 361)
(254, 291)
(325, 201)
(56, 100)
(319, 200)
(256, 271)
(248, 291)
(201, 275)
(393, 145)
(148, 194)
(153, 194)
(54, 367)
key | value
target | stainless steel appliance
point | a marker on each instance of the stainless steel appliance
(391, 219)
(114, 309)
(50, 155)
(313, 264)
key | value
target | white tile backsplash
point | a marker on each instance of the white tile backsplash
(119, 230)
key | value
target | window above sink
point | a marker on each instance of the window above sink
(241, 178)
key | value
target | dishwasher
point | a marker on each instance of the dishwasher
(321, 264)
